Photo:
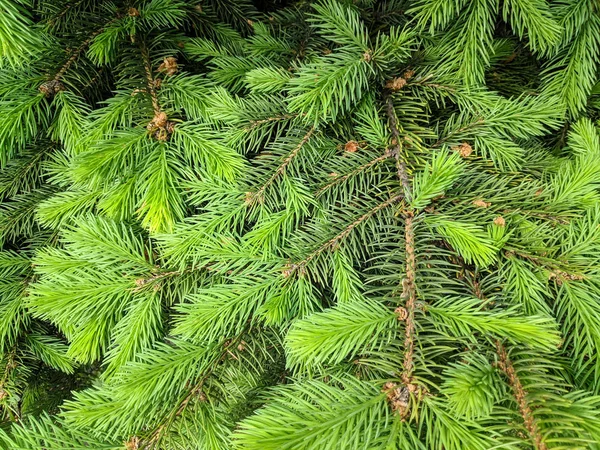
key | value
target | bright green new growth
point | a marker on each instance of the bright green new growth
(299, 225)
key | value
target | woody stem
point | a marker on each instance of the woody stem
(520, 396)
(150, 82)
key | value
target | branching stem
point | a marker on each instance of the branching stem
(334, 242)
(397, 150)
(258, 195)
(409, 288)
(520, 395)
(150, 82)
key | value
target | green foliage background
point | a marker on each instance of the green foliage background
(299, 225)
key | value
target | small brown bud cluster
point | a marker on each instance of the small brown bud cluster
(500, 221)
(398, 397)
(133, 443)
(401, 313)
(288, 270)
(51, 88)
(160, 126)
(132, 12)
(249, 198)
(351, 146)
(169, 66)
(395, 84)
(562, 276)
(463, 149)
(481, 204)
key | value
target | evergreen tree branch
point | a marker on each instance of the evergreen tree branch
(195, 391)
(396, 150)
(409, 288)
(300, 267)
(506, 366)
(76, 53)
(258, 196)
(150, 81)
(341, 178)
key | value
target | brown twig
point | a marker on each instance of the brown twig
(520, 396)
(258, 195)
(341, 179)
(334, 242)
(150, 82)
(196, 391)
(160, 126)
(141, 283)
(405, 313)
(256, 123)
(396, 150)
(52, 87)
(61, 14)
(76, 54)
(409, 293)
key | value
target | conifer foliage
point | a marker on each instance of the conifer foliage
(299, 225)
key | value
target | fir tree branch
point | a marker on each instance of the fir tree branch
(506, 366)
(10, 366)
(410, 294)
(359, 169)
(78, 51)
(397, 150)
(256, 123)
(150, 81)
(409, 288)
(334, 241)
(64, 11)
(475, 123)
(259, 194)
(153, 441)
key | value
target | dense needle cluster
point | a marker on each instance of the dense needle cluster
(295, 225)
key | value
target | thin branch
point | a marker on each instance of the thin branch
(520, 395)
(473, 124)
(196, 391)
(256, 123)
(401, 396)
(341, 179)
(76, 54)
(397, 150)
(61, 14)
(409, 293)
(334, 242)
(150, 82)
(258, 195)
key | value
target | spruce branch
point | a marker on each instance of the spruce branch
(76, 53)
(150, 81)
(342, 178)
(396, 150)
(258, 196)
(505, 365)
(334, 242)
(259, 122)
(400, 400)
(192, 393)
(410, 295)
(64, 12)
